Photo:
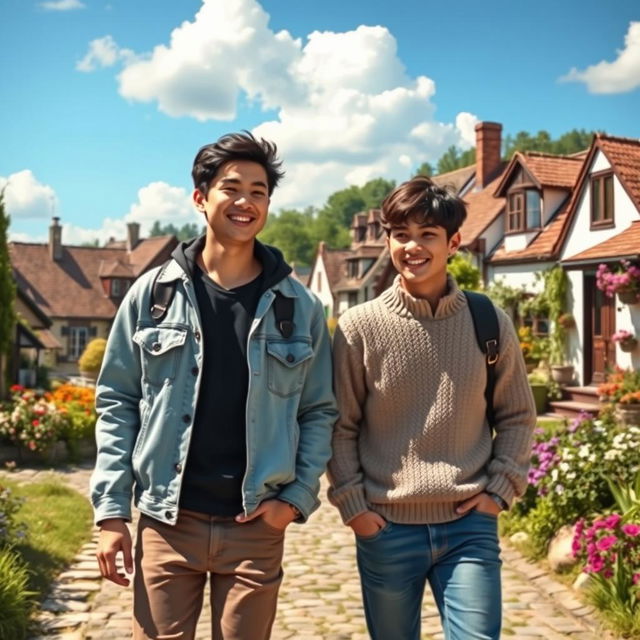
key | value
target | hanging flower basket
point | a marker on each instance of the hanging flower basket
(623, 281)
(625, 340)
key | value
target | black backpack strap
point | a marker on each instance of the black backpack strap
(283, 308)
(161, 295)
(485, 323)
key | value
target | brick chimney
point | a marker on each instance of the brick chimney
(55, 240)
(133, 235)
(488, 158)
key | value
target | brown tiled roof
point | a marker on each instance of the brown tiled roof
(115, 269)
(623, 245)
(552, 171)
(544, 246)
(334, 260)
(457, 179)
(482, 209)
(624, 155)
(49, 341)
(71, 287)
(146, 251)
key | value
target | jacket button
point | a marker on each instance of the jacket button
(178, 467)
(168, 514)
(197, 336)
(194, 371)
(156, 346)
(290, 357)
(186, 418)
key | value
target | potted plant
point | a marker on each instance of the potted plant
(625, 340)
(624, 281)
(622, 389)
(539, 383)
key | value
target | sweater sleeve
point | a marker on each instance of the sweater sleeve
(345, 474)
(515, 418)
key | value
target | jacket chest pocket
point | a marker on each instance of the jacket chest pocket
(160, 348)
(287, 365)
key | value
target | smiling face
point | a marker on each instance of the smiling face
(237, 203)
(419, 253)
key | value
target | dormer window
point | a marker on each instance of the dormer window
(602, 200)
(524, 210)
(352, 268)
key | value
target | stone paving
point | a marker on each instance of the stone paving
(320, 595)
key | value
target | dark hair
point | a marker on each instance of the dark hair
(423, 201)
(236, 146)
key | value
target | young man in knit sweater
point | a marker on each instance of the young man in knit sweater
(415, 471)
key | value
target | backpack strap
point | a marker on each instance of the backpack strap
(485, 323)
(283, 308)
(161, 295)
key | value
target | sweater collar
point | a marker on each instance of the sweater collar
(403, 303)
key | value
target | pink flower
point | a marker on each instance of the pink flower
(631, 529)
(596, 564)
(612, 520)
(636, 578)
(604, 544)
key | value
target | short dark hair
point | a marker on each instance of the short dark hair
(236, 146)
(423, 201)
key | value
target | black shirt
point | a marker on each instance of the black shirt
(217, 454)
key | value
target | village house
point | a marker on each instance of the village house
(67, 295)
(525, 216)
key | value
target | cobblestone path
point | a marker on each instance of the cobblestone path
(320, 595)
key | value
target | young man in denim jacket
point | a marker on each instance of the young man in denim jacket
(215, 420)
(415, 471)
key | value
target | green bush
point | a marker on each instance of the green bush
(16, 601)
(568, 476)
(91, 358)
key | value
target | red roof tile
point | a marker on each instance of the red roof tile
(482, 209)
(624, 155)
(71, 287)
(552, 171)
(623, 245)
(544, 246)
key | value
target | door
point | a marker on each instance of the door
(600, 324)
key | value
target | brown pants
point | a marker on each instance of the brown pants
(244, 563)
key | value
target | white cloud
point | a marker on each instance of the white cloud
(619, 76)
(103, 52)
(161, 202)
(25, 197)
(346, 109)
(62, 5)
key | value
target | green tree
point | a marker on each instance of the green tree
(454, 158)
(7, 298)
(570, 142)
(375, 191)
(425, 169)
(292, 232)
(185, 232)
(466, 274)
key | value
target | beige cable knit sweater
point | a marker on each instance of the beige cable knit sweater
(412, 439)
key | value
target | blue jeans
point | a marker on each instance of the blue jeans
(461, 561)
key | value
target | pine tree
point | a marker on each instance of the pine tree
(7, 297)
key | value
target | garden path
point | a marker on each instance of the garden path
(320, 595)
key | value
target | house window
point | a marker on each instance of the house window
(353, 298)
(523, 210)
(77, 341)
(116, 288)
(602, 200)
(352, 268)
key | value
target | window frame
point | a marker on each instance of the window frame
(601, 177)
(520, 214)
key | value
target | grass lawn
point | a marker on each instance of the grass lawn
(59, 522)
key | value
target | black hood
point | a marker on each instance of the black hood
(274, 267)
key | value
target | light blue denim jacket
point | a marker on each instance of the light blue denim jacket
(148, 388)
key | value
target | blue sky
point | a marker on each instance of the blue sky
(105, 102)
